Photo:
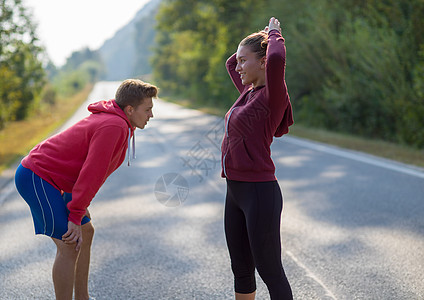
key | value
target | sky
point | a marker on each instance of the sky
(67, 26)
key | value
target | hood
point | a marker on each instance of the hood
(285, 123)
(111, 107)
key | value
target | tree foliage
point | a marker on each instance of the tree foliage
(144, 43)
(24, 65)
(194, 39)
(21, 72)
(352, 66)
(81, 67)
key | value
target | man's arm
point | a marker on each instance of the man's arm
(102, 159)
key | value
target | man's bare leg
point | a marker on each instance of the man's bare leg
(83, 263)
(64, 269)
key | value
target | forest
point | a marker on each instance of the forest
(352, 66)
(29, 81)
(21, 71)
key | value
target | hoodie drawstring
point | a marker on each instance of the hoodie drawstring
(133, 146)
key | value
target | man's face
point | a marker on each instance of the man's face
(140, 115)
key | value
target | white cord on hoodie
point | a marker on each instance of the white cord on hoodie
(133, 146)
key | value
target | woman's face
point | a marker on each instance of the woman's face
(250, 67)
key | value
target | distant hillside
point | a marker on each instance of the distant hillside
(127, 53)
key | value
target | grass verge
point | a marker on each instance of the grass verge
(400, 153)
(17, 138)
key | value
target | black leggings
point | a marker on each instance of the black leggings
(252, 228)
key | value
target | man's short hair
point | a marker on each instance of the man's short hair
(133, 92)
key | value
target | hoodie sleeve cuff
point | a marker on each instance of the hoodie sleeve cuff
(76, 219)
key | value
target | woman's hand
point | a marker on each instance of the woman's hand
(273, 24)
(73, 235)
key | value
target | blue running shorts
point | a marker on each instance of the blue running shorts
(47, 204)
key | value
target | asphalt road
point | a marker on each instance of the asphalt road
(352, 226)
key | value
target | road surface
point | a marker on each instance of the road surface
(352, 226)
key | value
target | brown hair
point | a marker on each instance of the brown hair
(133, 92)
(257, 42)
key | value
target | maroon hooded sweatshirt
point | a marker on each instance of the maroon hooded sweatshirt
(256, 117)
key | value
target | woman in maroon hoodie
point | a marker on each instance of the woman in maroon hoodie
(254, 201)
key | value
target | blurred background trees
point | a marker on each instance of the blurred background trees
(352, 66)
(21, 71)
(194, 39)
(28, 79)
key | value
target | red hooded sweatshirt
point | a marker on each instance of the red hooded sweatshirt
(79, 159)
(256, 117)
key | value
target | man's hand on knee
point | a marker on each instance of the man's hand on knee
(73, 235)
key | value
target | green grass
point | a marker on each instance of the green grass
(400, 153)
(17, 138)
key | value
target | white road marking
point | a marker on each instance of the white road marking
(361, 157)
(311, 275)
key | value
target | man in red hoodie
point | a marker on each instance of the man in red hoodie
(61, 175)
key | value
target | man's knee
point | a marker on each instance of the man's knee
(66, 250)
(88, 232)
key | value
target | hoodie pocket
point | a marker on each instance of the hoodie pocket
(240, 158)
